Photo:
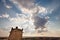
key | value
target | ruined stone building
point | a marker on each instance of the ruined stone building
(15, 34)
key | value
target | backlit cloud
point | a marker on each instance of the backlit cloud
(32, 10)
(31, 15)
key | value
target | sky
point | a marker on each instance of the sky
(36, 17)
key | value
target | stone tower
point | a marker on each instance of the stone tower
(15, 34)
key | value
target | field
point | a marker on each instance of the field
(34, 38)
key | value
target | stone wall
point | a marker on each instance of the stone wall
(15, 34)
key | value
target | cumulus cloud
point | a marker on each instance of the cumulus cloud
(28, 6)
(32, 10)
(5, 15)
(39, 22)
(19, 18)
(30, 19)
(23, 21)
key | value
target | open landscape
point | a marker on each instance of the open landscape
(35, 38)
(29, 19)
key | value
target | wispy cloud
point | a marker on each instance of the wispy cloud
(5, 15)
(32, 10)
(43, 34)
(19, 18)
(30, 17)
(8, 6)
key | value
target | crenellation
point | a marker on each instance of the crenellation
(15, 34)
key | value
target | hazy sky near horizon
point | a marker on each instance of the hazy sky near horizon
(30, 14)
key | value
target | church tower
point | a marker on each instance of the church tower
(15, 34)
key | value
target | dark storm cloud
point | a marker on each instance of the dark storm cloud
(39, 22)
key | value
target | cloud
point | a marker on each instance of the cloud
(24, 3)
(43, 34)
(47, 17)
(28, 6)
(53, 33)
(31, 9)
(39, 22)
(30, 18)
(8, 6)
(19, 18)
(58, 17)
(5, 15)
(53, 6)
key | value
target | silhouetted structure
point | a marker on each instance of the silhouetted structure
(15, 34)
